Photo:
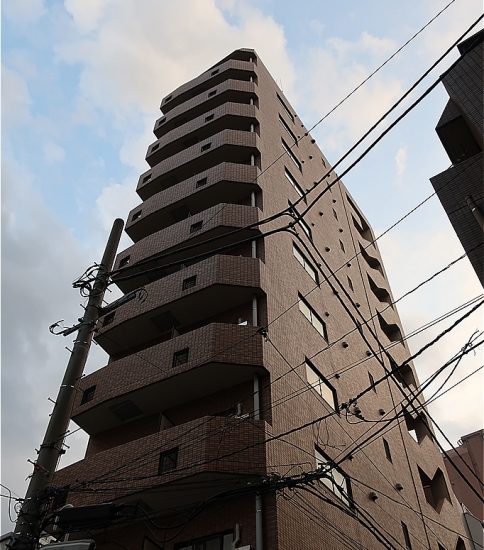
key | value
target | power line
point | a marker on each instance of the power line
(287, 210)
(390, 372)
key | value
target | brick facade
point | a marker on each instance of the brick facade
(205, 404)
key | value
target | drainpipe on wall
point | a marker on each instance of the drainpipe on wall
(258, 523)
(475, 211)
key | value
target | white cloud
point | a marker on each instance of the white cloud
(16, 100)
(439, 37)
(411, 256)
(332, 72)
(86, 13)
(24, 11)
(401, 161)
(365, 44)
(53, 153)
(40, 258)
(133, 57)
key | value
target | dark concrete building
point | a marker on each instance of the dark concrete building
(236, 363)
(460, 129)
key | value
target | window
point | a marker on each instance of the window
(213, 73)
(180, 357)
(168, 98)
(108, 319)
(88, 395)
(124, 261)
(406, 536)
(350, 283)
(222, 541)
(285, 107)
(155, 147)
(288, 130)
(313, 317)
(293, 182)
(386, 446)
(291, 155)
(435, 489)
(201, 183)
(147, 178)
(381, 293)
(189, 282)
(205, 147)
(317, 381)
(305, 263)
(391, 330)
(342, 246)
(417, 426)
(335, 214)
(372, 381)
(337, 482)
(212, 93)
(304, 226)
(168, 461)
(209, 117)
(196, 227)
(136, 215)
(162, 121)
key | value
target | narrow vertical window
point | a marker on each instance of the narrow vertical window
(305, 263)
(372, 381)
(317, 381)
(313, 317)
(386, 446)
(350, 283)
(406, 536)
(291, 155)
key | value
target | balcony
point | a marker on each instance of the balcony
(237, 91)
(233, 116)
(216, 285)
(227, 146)
(233, 69)
(205, 465)
(151, 383)
(219, 221)
(226, 182)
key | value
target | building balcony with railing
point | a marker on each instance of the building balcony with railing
(235, 146)
(226, 182)
(171, 468)
(223, 225)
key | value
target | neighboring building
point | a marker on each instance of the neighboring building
(470, 451)
(194, 396)
(460, 129)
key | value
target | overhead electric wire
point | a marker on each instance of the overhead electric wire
(182, 435)
(391, 372)
(314, 515)
(287, 210)
(250, 239)
(275, 380)
(369, 526)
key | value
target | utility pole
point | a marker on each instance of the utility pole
(28, 527)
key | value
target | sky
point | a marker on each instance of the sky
(82, 81)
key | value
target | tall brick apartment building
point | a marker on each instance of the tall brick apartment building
(187, 416)
(461, 131)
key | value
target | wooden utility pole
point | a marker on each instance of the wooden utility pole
(29, 522)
